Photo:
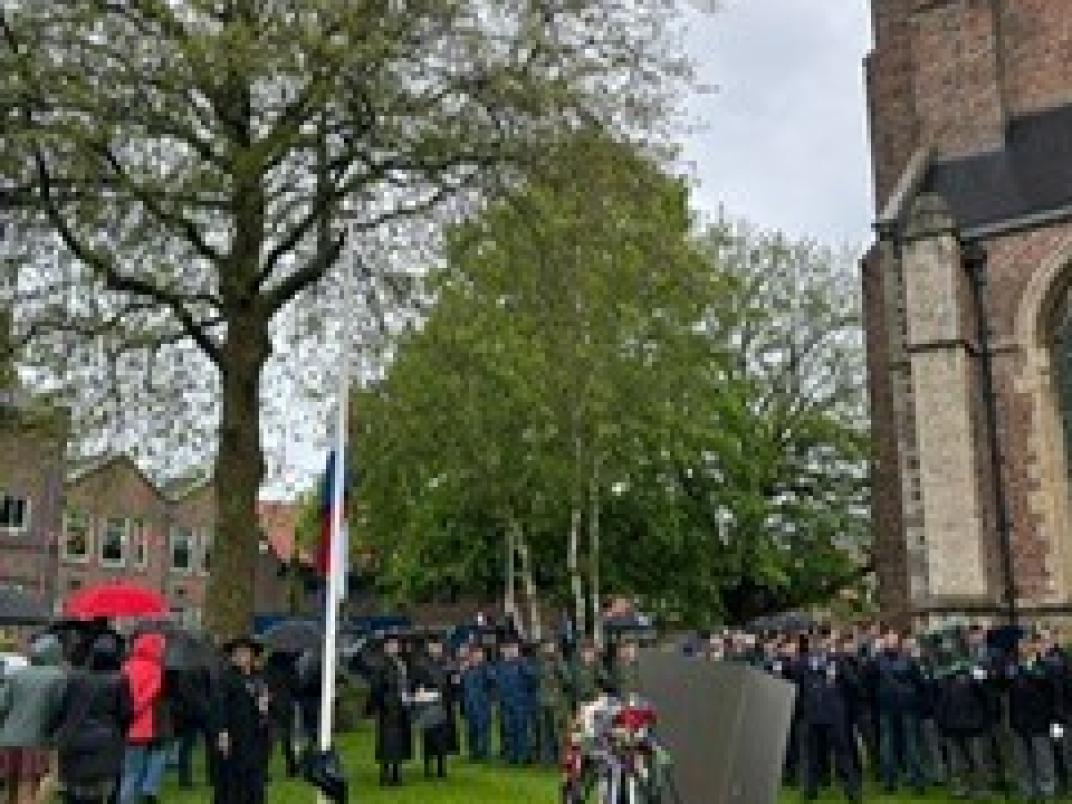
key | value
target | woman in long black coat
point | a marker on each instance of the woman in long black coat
(242, 725)
(394, 734)
(91, 736)
(437, 672)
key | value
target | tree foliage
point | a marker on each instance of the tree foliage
(698, 394)
(178, 173)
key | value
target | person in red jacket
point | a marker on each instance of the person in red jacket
(145, 759)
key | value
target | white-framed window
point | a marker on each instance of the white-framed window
(204, 555)
(77, 536)
(139, 539)
(14, 513)
(181, 548)
(114, 537)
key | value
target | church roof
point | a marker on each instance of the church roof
(1026, 182)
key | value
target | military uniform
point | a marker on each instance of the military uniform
(553, 707)
(899, 686)
(964, 713)
(827, 686)
(1033, 696)
(477, 687)
(514, 681)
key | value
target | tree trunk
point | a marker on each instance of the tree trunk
(573, 563)
(535, 629)
(510, 595)
(238, 476)
(593, 560)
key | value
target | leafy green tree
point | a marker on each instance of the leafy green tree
(181, 172)
(565, 334)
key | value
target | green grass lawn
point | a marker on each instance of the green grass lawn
(467, 784)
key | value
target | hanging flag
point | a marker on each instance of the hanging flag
(327, 513)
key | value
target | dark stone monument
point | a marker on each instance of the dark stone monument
(726, 726)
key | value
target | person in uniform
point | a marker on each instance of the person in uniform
(552, 714)
(963, 713)
(242, 727)
(899, 684)
(827, 687)
(477, 684)
(436, 672)
(391, 686)
(1033, 695)
(514, 682)
(586, 676)
(626, 677)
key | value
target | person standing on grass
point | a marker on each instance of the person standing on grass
(95, 714)
(150, 728)
(435, 671)
(1033, 709)
(242, 727)
(552, 714)
(476, 703)
(29, 707)
(514, 680)
(390, 690)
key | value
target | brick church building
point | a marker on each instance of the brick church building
(967, 305)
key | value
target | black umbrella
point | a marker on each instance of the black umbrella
(183, 649)
(293, 636)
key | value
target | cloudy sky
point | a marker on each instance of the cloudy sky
(784, 141)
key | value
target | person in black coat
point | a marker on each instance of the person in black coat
(1033, 699)
(281, 675)
(827, 687)
(192, 714)
(785, 665)
(900, 681)
(91, 735)
(391, 687)
(964, 704)
(435, 671)
(242, 725)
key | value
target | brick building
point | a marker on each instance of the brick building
(967, 306)
(118, 525)
(32, 445)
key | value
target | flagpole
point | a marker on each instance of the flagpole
(333, 596)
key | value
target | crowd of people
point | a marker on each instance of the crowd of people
(977, 712)
(974, 711)
(529, 693)
(99, 719)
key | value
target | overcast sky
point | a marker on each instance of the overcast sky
(785, 137)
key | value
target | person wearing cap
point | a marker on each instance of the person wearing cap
(242, 726)
(391, 687)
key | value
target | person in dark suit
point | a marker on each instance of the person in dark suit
(827, 687)
(242, 721)
(437, 672)
(391, 687)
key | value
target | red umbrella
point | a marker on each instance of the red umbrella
(115, 600)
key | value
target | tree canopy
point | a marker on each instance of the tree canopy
(597, 364)
(175, 174)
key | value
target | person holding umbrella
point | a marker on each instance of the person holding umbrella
(242, 724)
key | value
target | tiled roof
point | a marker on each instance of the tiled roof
(1031, 176)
